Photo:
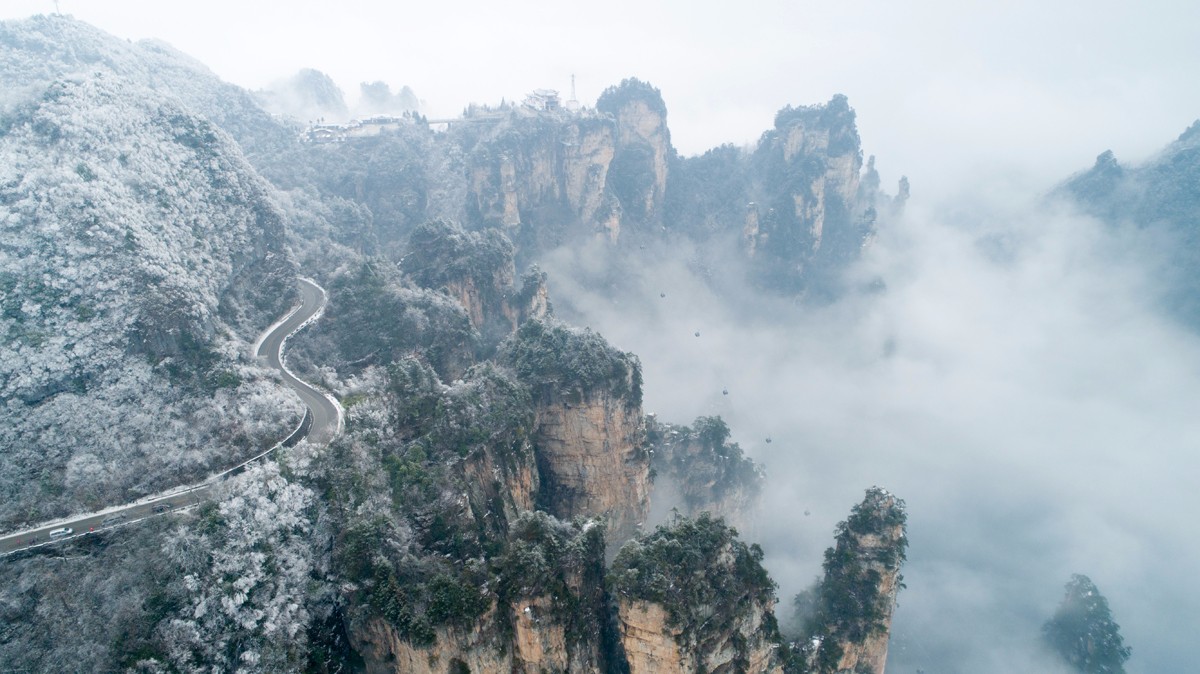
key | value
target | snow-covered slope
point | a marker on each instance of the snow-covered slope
(139, 254)
(36, 51)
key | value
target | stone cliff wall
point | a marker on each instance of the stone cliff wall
(477, 270)
(592, 461)
(477, 649)
(850, 626)
(653, 646)
(691, 597)
(541, 177)
(648, 641)
(643, 129)
(548, 611)
(869, 655)
(698, 469)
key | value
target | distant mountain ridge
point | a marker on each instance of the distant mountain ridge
(43, 48)
(1158, 203)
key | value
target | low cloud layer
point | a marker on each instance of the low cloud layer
(1009, 378)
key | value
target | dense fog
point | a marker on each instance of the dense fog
(1000, 366)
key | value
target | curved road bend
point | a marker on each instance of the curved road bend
(326, 414)
(326, 422)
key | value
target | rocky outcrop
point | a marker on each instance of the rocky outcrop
(811, 211)
(803, 200)
(548, 611)
(458, 650)
(691, 597)
(533, 300)
(638, 176)
(588, 432)
(512, 481)
(851, 608)
(652, 646)
(476, 269)
(869, 656)
(541, 176)
(538, 644)
(552, 177)
(591, 459)
(698, 469)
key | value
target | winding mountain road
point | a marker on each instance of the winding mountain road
(321, 423)
(326, 412)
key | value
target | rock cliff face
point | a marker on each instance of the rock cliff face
(850, 611)
(548, 612)
(814, 207)
(692, 598)
(588, 432)
(638, 176)
(541, 177)
(538, 644)
(652, 646)
(471, 649)
(704, 470)
(552, 177)
(476, 269)
(487, 577)
(591, 459)
(869, 656)
(802, 200)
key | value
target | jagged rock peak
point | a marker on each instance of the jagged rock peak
(1107, 160)
(639, 171)
(849, 612)
(836, 118)
(589, 432)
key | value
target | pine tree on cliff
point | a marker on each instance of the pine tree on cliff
(1082, 630)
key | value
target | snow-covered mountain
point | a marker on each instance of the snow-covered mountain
(140, 256)
(41, 49)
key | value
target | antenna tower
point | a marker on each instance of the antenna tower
(573, 104)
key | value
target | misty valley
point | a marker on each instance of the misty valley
(297, 384)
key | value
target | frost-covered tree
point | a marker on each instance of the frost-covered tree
(246, 568)
(140, 255)
(1083, 632)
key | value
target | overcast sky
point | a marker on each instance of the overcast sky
(946, 91)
